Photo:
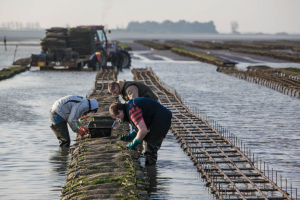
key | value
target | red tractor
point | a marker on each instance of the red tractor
(73, 48)
(102, 45)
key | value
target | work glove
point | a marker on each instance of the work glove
(133, 144)
(79, 124)
(82, 130)
(112, 64)
(129, 136)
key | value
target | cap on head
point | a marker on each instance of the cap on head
(94, 104)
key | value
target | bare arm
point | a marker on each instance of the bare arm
(142, 130)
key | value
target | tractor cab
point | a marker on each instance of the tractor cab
(100, 38)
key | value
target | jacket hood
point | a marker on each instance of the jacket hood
(121, 84)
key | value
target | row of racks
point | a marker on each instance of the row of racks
(227, 164)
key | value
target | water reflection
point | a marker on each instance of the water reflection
(60, 160)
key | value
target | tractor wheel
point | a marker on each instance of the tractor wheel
(127, 59)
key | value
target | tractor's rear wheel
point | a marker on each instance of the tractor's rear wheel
(126, 59)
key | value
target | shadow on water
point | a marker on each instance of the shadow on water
(60, 160)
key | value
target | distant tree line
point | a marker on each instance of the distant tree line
(14, 25)
(172, 27)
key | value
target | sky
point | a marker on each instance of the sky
(267, 16)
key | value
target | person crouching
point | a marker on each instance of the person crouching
(68, 110)
(151, 122)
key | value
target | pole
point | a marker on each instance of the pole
(5, 42)
(15, 53)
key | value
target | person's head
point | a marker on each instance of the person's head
(116, 111)
(114, 88)
(93, 106)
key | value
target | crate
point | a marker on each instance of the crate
(101, 118)
(100, 128)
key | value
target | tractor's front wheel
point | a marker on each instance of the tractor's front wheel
(126, 59)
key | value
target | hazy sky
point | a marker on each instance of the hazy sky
(268, 16)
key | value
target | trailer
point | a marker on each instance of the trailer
(72, 48)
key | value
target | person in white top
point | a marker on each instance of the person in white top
(68, 110)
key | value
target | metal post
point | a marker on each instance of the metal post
(291, 191)
(15, 53)
(276, 177)
(5, 43)
(272, 174)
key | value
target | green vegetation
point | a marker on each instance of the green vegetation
(290, 69)
(104, 180)
(123, 46)
(197, 54)
(153, 44)
(263, 67)
(11, 71)
(81, 159)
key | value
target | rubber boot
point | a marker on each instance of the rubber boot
(150, 153)
(62, 133)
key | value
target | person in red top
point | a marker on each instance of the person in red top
(150, 120)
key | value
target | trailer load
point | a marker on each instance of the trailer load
(73, 47)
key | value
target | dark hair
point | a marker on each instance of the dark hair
(114, 109)
(111, 86)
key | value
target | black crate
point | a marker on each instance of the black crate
(100, 128)
(101, 118)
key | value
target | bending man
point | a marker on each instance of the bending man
(151, 120)
(130, 90)
(68, 110)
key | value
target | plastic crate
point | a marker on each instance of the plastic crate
(101, 118)
(100, 128)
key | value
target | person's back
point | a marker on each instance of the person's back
(142, 91)
(68, 110)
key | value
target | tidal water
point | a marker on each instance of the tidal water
(33, 167)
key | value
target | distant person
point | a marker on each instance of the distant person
(4, 42)
(151, 122)
(130, 90)
(117, 59)
(95, 58)
(68, 110)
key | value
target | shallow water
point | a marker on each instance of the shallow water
(267, 121)
(31, 162)
(7, 57)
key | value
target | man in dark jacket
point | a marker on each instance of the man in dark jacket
(117, 59)
(130, 90)
(151, 120)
